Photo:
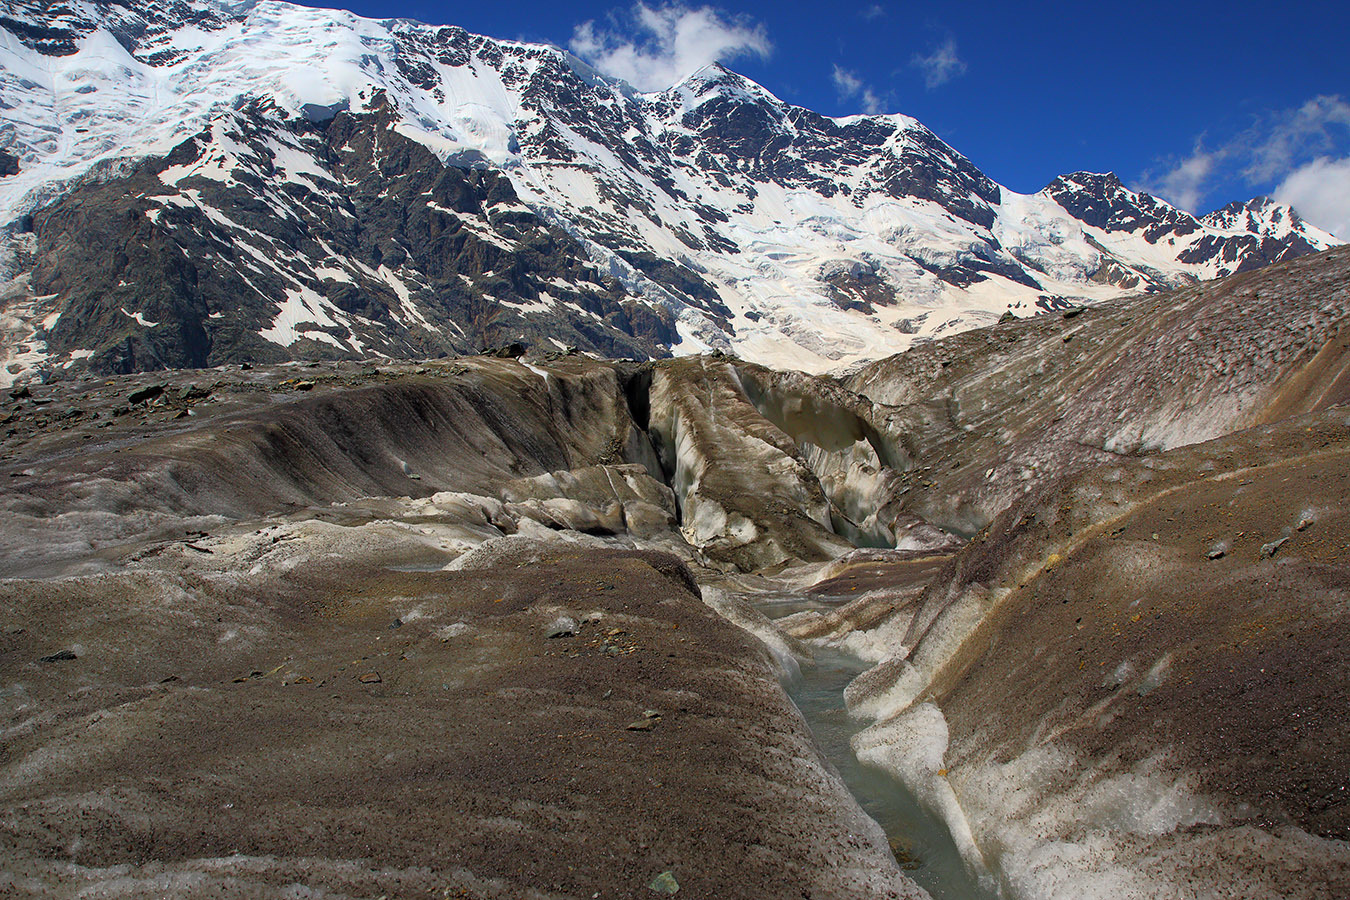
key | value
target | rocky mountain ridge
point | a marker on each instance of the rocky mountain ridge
(711, 215)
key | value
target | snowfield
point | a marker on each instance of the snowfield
(825, 241)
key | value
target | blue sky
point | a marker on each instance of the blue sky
(1200, 103)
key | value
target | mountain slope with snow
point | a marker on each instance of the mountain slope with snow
(181, 187)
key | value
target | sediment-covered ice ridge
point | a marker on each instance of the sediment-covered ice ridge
(1089, 664)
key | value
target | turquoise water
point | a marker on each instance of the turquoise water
(923, 844)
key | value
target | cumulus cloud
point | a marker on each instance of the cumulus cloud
(1320, 191)
(653, 47)
(940, 66)
(1187, 181)
(1298, 149)
(849, 85)
(1294, 135)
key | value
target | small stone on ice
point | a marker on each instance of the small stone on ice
(59, 656)
(665, 883)
(1269, 550)
(147, 393)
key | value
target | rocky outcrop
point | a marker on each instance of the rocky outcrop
(1101, 201)
(371, 245)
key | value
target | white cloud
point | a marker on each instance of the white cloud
(1320, 191)
(873, 12)
(653, 47)
(940, 66)
(849, 85)
(1290, 147)
(1294, 135)
(846, 82)
(1187, 181)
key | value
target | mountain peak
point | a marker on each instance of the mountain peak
(1100, 183)
(716, 79)
(1267, 217)
(509, 187)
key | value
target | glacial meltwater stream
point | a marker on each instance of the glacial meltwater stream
(922, 843)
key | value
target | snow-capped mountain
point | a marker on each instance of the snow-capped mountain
(188, 184)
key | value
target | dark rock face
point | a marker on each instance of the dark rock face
(1246, 252)
(9, 164)
(1274, 232)
(48, 39)
(1278, 233)
(859, 287)
(384, 249)
(976, 265)
(55, 29)
(1103, 202)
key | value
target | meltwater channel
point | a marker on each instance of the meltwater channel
(922, 843)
